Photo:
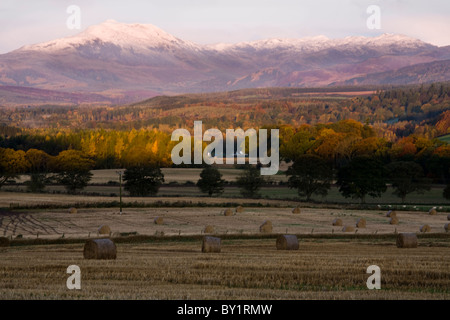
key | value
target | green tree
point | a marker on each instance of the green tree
(407, 177)
(361, 177)
(211, 181)
(250, 181)
(310, 174)
(73, 169)
(143, 180)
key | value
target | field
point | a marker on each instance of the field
(165, 261)
(245, 269)
(54, 223)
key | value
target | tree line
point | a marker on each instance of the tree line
(67, 157)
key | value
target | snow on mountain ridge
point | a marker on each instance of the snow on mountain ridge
(144, 37)
(317, 43)
(140, 37)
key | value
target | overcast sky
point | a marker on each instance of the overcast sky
(212, 21)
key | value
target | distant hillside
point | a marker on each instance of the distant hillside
(396, 112)
(419, 73)
(23, 96)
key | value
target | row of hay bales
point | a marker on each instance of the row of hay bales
(433, 211)
(427, 228)
(105, 249)
(229, 212)
(290, 242)
(265, 227)
(360, 223)
(392, 214)
(283, 242)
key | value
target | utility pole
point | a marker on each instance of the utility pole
(120, 189)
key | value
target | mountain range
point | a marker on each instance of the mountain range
(113, 63)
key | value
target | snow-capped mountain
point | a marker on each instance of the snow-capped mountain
(138, 38)
(133, 61)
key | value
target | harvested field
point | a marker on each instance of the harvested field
(192, 220)
(245, 269)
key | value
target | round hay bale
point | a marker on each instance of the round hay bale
(393, 220)
(73, 210)
(240, 209)
(446, 227)
(432, 211)
(407, 240)
(296, 210)
(100, 249)
(208, 229)
(391, 214)
(158, 220)
(4, 242)
(337, 222)
(361, 223)
(287, 242)
(266, 227)
(228, 212)
(211, 244)
(348, 229)
(425, 228)
(104, 229)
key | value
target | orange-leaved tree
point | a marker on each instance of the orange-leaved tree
(12, 163)
(73, 169)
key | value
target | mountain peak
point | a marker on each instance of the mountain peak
(116, 32)
(136, 36)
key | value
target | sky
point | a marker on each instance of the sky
(25, 22)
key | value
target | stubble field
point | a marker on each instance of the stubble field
(57, 223)
(245, 269)
(167, 262)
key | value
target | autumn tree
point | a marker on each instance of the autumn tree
(143, 180)
(250, 181)
(39, 162)
(211, 181)
(362, 176)
(294, 145)
(12, 163)
(310, 174)
(73, 169)
(407, 177)
(404, 149)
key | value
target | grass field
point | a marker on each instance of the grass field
(176, 178)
